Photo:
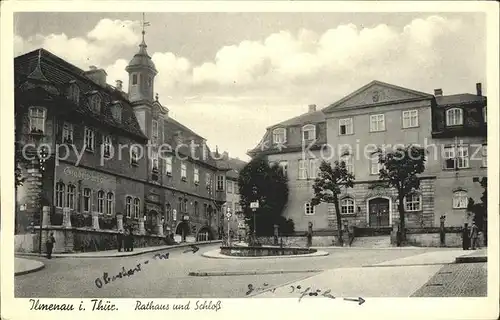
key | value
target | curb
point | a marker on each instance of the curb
(210, 255)
(40, 267)
(466, 259)
(153, 249)
(407, 265)
(248, 273)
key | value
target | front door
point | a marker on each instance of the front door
(379, 212)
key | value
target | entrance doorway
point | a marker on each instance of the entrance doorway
(378, 212)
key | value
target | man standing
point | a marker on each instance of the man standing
(119, 237)
(474, 234)
(50, 245)
(465, 237)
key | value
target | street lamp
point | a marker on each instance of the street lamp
(228, 215)
(41, 157)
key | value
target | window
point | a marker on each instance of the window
(208, 179)
(196, 175)
(106, 146)
(183, 171)
(95, 102)
(137, 208)
(449, 158)
(67, 133)
(279, 135)
(89, 139)
(313, 168)
(192, 146)
(308, 169)
(283, 165)
(168, 212)
(168, 166)
(229, 186)
(86, 200)
(345, 126)
(70, 196)
(377, 122)
(309, 209)
(410, 119)
(413, 202)
(134, 155)
(460, 199)
(196, 209)
(110, 203)
(485, 156)
(150, 81)
(128, 206)
(347, 206)
(116, 111)
(375, 165)
(154, 161)
(154, 131)
(74, 93)
(185, 205)
(134, 78)
(100, 201)
(220, 183)
(309, 132)
(37, 120)
(454, 117)
(60, 194)
(303, 174)
(347, 159)
(462, 157)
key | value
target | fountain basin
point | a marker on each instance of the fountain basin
(250, 251)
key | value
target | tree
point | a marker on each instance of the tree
(480, 210)
(399, 171)
(258, 181)
(327, 187)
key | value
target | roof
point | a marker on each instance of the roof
(459, 99)
(142, 58)
(309, 117)
(233, 165)
(42, 67)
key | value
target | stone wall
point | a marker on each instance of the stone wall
(25, 242)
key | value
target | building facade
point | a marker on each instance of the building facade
(109, 152)
(381, 116)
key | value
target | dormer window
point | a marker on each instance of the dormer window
(279, 135)
(309, 132)
(74, 93)
(116, 111)
(454, 117)
(95, 102)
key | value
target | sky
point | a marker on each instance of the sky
(228, 76)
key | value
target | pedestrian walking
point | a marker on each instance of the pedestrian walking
(474, 236)
(465, 237)
(50, 245)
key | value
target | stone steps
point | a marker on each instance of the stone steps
(372, 242)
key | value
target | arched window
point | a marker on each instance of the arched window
(100, 201)
(128, 206)
(70, 196)
(110, 203)
(347, 206)
(74, 93)
(95, 102)
(279, 135)
(413, 202)
(87, 199)
(460, 199)
(137, 208)
(454, 117)
(60, 195)
(308, 132)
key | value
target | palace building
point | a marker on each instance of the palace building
(381, 116)
(109, 152)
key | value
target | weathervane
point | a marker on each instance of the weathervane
(144, 24)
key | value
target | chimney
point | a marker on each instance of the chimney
(119, 85)
(312, 107)
(96, 75)
(438, 92)
(479, 90)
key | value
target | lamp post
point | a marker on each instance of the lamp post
(228, 215)
(41, 157)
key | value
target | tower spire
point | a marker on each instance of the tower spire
(144, 25)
